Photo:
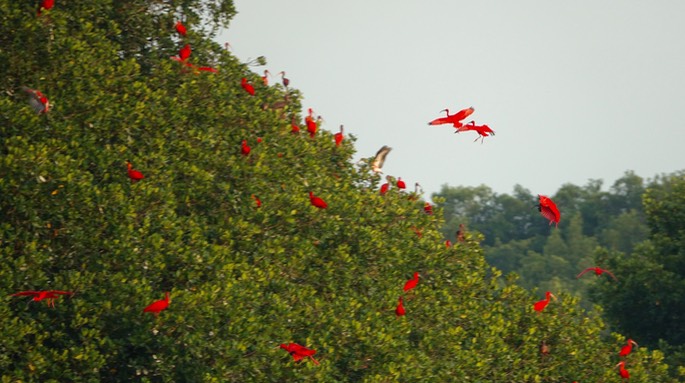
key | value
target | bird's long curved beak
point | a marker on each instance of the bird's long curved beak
(635, 343)
(552, 295)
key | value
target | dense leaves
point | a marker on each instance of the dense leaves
(243, 278)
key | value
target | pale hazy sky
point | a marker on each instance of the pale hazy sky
(574, 90)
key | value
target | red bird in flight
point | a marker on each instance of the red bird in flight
(548, 209)
(158, 306)
(299, 352)
(628, 348)
(39, 103)
(317, 202)
(247, 86)
(181, 29)
(410, 284)
(133, 174)
(482, 130)
(38, 296)
(540, 305)
(400, 311)
(339, 136)
(598, 271)
(454, 119)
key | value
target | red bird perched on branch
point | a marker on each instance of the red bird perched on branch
(339, 136)
(293, 126)
(401, 184)
(181, 29)
(400, 311)
(482, 130)
(45, 5)
(265, 78)
(540, 305)
(286, 81)
(384, 188)
(247, 86)
(410, 284)
(317, 202)
(622, 370)
(257, 201)
(311, 124)
(185, 52)
(598, 271)
(428, 208)
(454, 119)
(158, 306)
(299, 352)
(548, 209)
(245, 148)
(39, 103)
(628, 348)
(133, 174)
(38, 296)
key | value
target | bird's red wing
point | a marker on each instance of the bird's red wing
(584, 271)
(611, 274)
(548, 213)
(441, 120)
(25, 293)
(462, 114)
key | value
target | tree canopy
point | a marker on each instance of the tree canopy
(248, 262)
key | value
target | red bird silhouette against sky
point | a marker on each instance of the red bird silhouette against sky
(548, 209)
(181, 29)
(482, 130)
(299, 352)
(158, 306)
(317, 202)
(628, 348)
(598, 271)
(454, 119)
(400, 311)
(540, 305)
(247, 86)
(49, 295)
(339, 136)
(39, 103)
(133, 174)
(410, 284)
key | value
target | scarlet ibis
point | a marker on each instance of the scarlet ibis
(247, 86)
(257, 201)
(454, 119)
(286, 81)
(133, 174)
(158, 306)
(482, 130)
(548, 209)
(181, 29)
(622, 370)
(45, 5)
(339, 136)
(410, 284)
(39, 103)
(461, 232)
(598, 271)
(245, 148)
(293, 126)
(417, 190)
(401, 184)
(38, 296)
(185, 52)
(540, 305)
(628, 348)
(384, 188)
(448, 243)
(299, 352)
(400, 311)
(311, 124)
(379, 160)
(265, 78)
(317, 202)
(207, 69)
(428, 208)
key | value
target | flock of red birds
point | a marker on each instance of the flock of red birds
(547, 208)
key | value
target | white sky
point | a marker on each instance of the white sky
(574, 90)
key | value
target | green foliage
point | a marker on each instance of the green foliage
(242, 279)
